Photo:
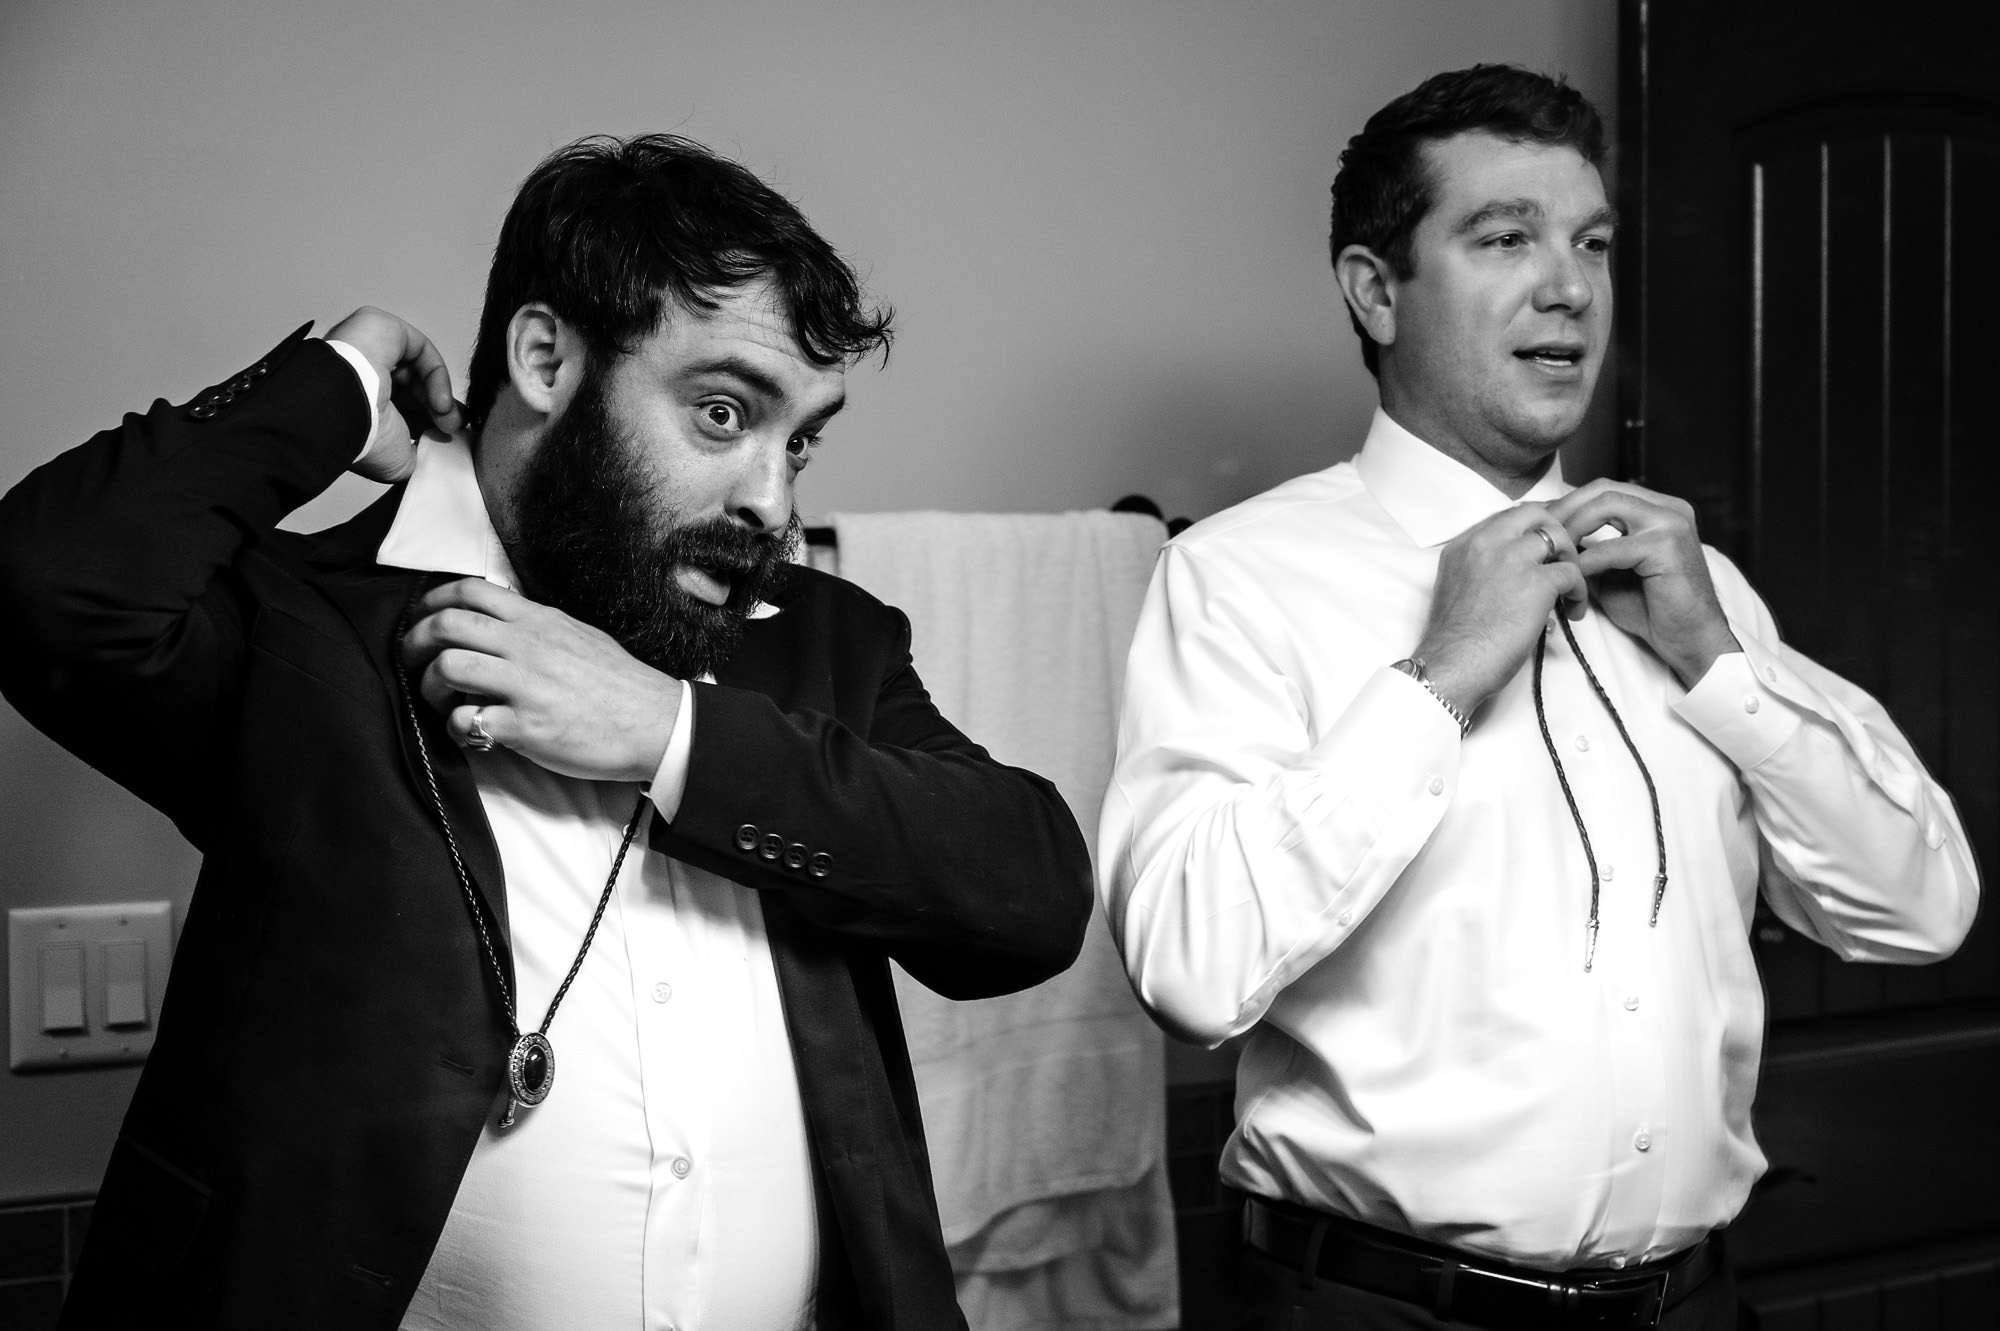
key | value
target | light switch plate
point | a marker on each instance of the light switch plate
(37, 931)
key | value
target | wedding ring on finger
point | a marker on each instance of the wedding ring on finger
(476, 735)
(1550, 542)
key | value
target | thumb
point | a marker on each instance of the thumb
(393, 455)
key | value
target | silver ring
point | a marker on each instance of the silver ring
(476, 736)
(1550, 542)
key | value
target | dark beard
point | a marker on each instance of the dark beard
(587, 540)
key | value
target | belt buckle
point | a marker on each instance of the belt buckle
(1644, 1317)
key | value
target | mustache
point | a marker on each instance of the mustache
(748, 558)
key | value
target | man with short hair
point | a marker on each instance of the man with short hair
(1451, 787)
(558, 829)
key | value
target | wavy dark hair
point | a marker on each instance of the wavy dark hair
(1383, 187)
(607, 231)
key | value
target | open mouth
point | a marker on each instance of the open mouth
(1552, 357)
(706, 584)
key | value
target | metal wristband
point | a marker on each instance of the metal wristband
(1413, 666)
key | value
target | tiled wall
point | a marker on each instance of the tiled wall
(38, 1246)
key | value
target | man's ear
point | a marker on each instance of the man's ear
(545, 358)
(1370, 291)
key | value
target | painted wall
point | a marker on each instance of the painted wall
(1103, 223)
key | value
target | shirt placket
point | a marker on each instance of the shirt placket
(666, 984)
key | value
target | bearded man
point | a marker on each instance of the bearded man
(558, 829)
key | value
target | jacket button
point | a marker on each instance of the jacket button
(241, 383)
(772, 847)
(746, 837)
(795, 856)
(820, 865)
(259, 370)
(202, 411)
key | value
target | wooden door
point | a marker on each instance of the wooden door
(1809, 332)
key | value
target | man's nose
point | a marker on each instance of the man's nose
(762, 497)
(1564, 282)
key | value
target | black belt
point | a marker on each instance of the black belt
(1456, 1285)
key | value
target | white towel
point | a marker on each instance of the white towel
(1045, 1110)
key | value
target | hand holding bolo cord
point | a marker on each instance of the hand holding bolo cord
(1489, 611)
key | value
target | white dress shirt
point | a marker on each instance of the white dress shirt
(665, 1184)
(1298, 844)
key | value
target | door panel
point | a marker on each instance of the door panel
(1809, 341)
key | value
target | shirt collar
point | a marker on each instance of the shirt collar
(442, 525)
(1433, 497)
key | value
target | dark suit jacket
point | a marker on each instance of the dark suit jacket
(331, 1041)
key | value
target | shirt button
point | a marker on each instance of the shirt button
(1437, 785)
(1771, 673)
(1345, 918)
(1631, 1002)
(1583, 744)
(682, 1166)
(1752, 703)
(1644, 1142)
(1618, 1262)
(1609, 872)
(662, 992)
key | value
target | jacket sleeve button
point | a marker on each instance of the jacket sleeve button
(773, 846)
(820, 865)
(795, 856)
(746, 837)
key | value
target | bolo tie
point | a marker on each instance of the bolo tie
(1576, 814)
(531, 1059)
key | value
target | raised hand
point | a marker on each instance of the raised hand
(416, 389)
(1496, 583)
(1652, 579)
(555, 690)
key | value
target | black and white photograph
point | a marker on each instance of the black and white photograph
(916, 665)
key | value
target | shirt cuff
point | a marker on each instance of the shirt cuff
(371, 384)
(1737, 712)
(669, 782)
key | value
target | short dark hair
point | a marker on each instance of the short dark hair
(1383, 187)
(606, 231)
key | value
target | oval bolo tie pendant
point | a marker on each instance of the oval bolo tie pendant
(531, 1069)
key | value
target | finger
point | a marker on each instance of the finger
(453, 626)
(429, 367)
(1643, 553)
(1589, 491)
(459, 670)
(496, 720)
(1553, 542)
(1572, 589)
(488, 598)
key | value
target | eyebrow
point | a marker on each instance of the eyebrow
(738, 368)
(1527, 210)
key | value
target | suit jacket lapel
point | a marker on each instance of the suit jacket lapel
(374, 600)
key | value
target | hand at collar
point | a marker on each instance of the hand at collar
(553, 689)
(1652, 579)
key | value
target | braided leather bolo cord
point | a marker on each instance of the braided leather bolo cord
(1576, 814)
(465, 879)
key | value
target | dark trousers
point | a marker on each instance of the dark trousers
(1278, 1298)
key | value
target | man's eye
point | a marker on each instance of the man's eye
(1512, 240)
(722, 416)
(801, 444)
(1596, 244)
